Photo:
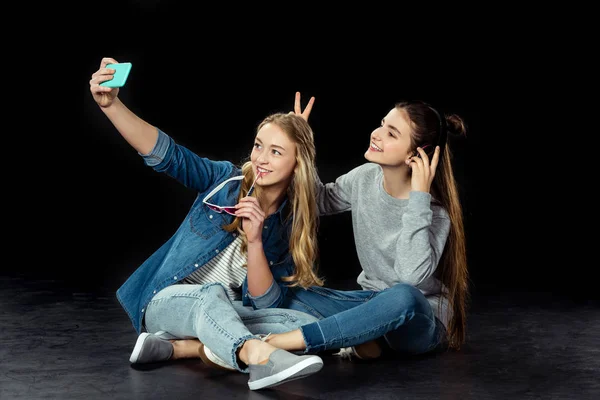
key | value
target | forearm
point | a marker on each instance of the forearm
(421, 241)
(260, 277)
(331, 199)
(138, 133)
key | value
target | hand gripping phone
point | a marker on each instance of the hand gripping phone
(120, 76)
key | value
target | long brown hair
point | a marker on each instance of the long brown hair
(429, 128)
(302, 196)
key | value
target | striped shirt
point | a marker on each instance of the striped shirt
(227, 268)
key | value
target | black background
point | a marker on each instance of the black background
(99, 212)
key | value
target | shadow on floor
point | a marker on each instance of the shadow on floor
(58, 343)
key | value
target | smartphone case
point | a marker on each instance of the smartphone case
(120, 76)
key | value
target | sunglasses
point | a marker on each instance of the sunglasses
(228, 209)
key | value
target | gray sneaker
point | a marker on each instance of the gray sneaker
(150, 348)
(282, 367)
(215, 361)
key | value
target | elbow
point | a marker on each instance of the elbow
(416, 276)
(413, 279)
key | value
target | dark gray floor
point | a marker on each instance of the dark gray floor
(60, 344)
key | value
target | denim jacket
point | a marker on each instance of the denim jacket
(200, 236)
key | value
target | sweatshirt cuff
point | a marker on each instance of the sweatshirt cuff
(158, 153)
(419, 200)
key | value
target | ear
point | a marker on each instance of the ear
(298, 164)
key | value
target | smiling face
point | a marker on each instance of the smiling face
(391, 142)
(273, 156)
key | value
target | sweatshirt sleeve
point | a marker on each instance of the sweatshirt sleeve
(422, 240)
(336, 197)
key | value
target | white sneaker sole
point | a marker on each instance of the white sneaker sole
(214, 360)
(283, 376)
(138, 347)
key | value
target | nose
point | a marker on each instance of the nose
(375, 135)
(261, 159)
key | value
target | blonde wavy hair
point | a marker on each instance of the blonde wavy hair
(301, 197)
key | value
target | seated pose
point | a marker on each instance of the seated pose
(409, 236)
(249, 237)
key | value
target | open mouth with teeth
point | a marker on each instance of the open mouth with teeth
(375, 148)
(262, 172)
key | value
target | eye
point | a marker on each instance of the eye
(256, 145)
(276, 152)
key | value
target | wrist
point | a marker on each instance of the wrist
(255, 245)
(114, 105)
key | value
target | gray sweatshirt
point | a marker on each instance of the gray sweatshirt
(397, 240)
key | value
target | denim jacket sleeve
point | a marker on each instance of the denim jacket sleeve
(184, 165)
(275, 294)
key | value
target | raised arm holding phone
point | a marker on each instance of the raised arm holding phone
(217, 280)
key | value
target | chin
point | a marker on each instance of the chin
(369, 155)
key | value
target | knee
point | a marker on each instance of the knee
(407, 298)
(214, 290)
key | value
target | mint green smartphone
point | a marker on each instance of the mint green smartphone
(120, 76)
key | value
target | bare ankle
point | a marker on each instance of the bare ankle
(290, 341)
(255, 351)
(185, 348)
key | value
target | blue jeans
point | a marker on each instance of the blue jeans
(205, 312)
(400, 314)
